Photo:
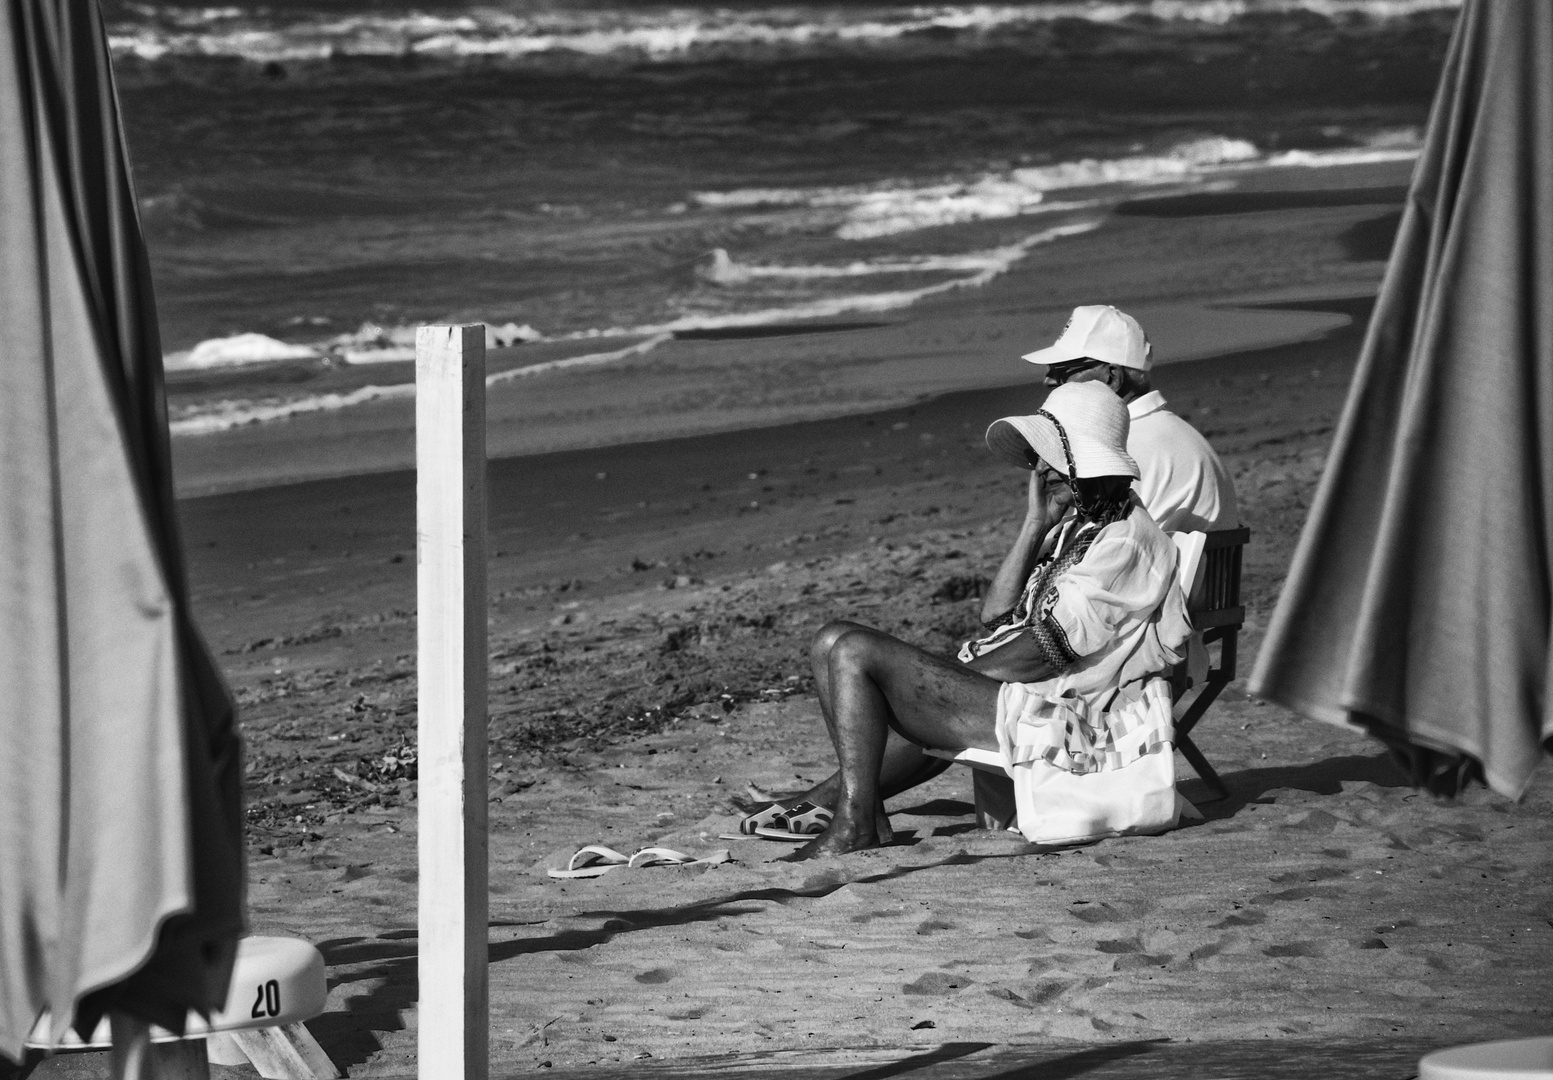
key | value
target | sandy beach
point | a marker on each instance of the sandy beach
(650, 607)
(669, 527)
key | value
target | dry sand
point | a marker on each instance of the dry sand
(650, 609)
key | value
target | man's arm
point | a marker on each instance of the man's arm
(1044, 507)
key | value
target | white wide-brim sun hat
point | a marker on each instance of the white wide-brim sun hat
(1080, 430)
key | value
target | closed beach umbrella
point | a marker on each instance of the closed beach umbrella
(121, 865)
(1420, 595)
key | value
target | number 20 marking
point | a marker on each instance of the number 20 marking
(267, 1001)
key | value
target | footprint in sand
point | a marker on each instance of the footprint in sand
(1121, 945)
(1090, 912)
(1130, 955)
(1316, 892)
(1248, 917)
(869, 916)
(1062, 960)
(1213, 948)
(935, 983)
(1320, 873)
(1045, 993)
(1314, 821)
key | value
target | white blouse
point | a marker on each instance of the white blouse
(1124, 616)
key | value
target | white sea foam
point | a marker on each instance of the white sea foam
(153, 31)
(1322, 159)
(586, 360)
(987, 265)
(868, 211)
(979, 268)
(887, 208)
(225, 415)
(719, 268)
(237, 350)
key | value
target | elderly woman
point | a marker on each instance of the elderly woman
(1084, 619)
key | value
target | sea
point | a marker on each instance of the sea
(318, 177)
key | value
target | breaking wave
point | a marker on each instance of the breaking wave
(153, 31)
(868, 211)
(977, 269)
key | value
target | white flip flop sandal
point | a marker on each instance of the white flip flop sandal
(592, 861)
(662, 856)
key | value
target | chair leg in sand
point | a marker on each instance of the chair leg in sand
(1210, 575)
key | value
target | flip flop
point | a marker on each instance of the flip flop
(662, 856)
(592, 861)
(801, 823)
(762, 818)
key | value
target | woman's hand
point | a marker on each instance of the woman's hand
(1048, 498)
(1046, 501)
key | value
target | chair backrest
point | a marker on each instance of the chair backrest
(1216, 599)
(1189, 548)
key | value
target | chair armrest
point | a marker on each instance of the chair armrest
(972, 756)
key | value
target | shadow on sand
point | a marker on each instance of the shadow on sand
(1320, 777)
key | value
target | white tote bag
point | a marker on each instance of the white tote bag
(1060, 807)
(1133, 792)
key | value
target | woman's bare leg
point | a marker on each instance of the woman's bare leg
(904, 765)
(875, 683)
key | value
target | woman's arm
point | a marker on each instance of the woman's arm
(1020, 660)
(1044, 506)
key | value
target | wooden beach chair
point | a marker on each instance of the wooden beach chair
(1209, 569)
(277, 983)
(1217, 615)
(1213, 588)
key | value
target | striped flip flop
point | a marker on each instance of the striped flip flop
(801, 822)
(762, 818)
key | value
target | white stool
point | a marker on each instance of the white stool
(276, 984)
(1509, 1059)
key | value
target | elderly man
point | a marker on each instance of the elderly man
(1083, 619)
(1183, 485)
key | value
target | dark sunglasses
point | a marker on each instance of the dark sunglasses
(1063, 372)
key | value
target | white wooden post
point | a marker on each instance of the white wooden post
(453, 1037)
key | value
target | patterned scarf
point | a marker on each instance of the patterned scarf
(1033, 613)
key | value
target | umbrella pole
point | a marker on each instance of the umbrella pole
(453, 1032)
(135, 1057)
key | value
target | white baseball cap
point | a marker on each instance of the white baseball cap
(1080, 430)
(1098, 332)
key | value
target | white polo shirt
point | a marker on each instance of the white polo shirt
(1184, 485)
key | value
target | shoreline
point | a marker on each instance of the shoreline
(1213, 277)
(378, 437)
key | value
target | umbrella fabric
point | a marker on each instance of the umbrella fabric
(1418, 602)
(121, 868)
